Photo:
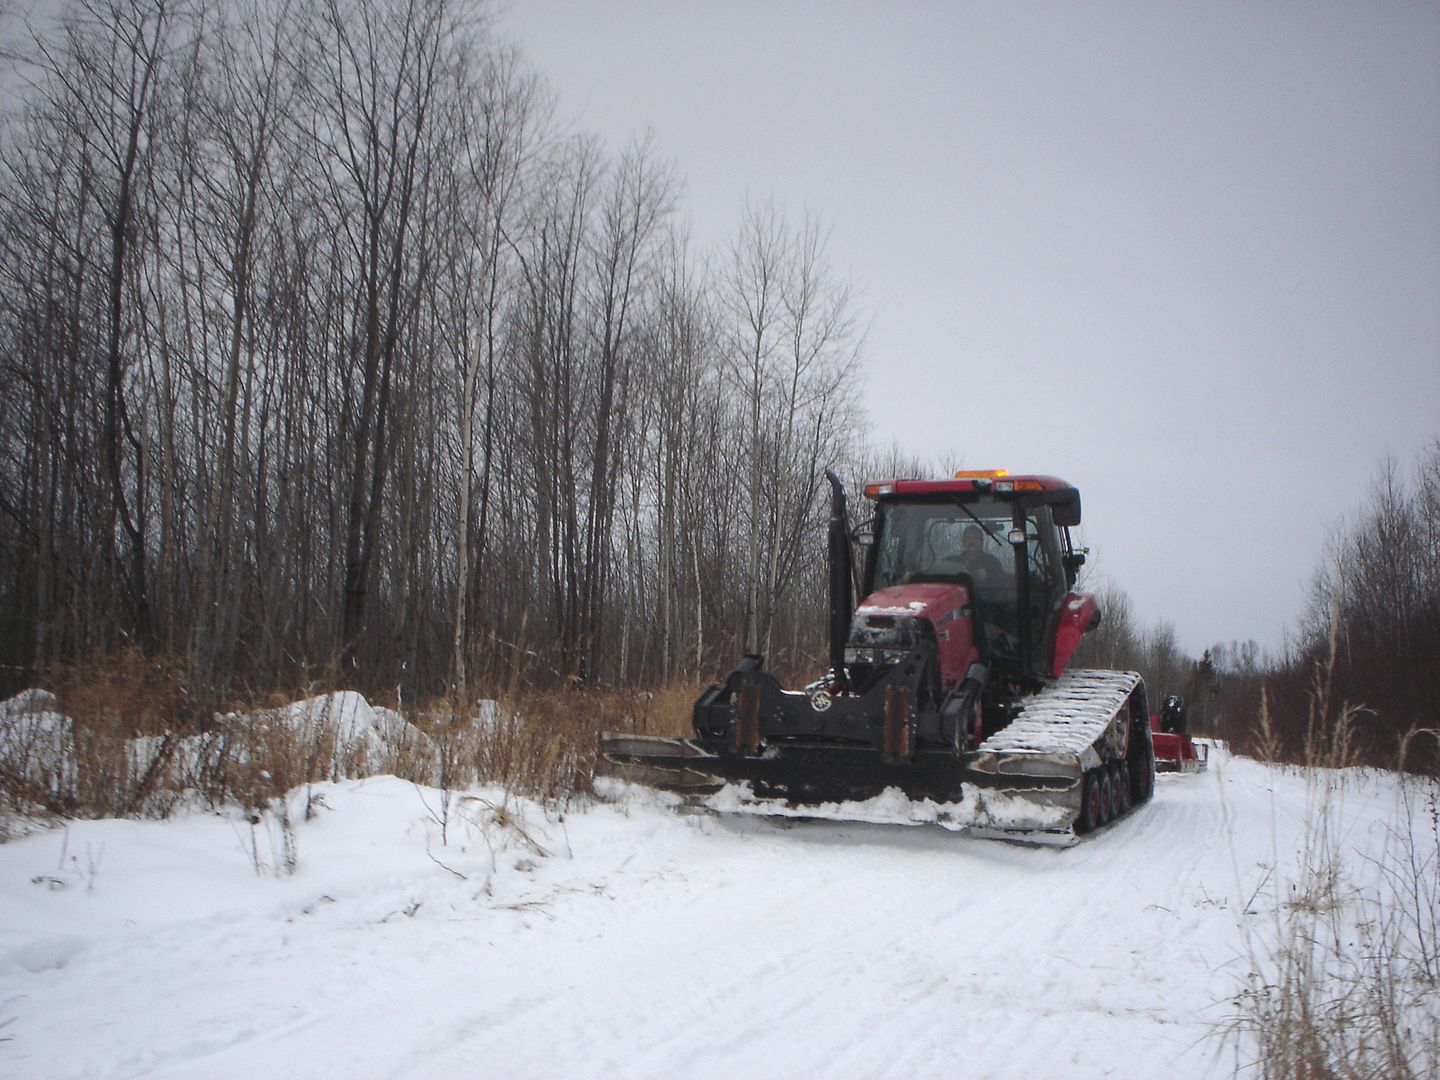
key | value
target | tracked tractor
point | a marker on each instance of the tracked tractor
(948, 692)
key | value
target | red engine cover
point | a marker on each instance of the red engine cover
(947, 608)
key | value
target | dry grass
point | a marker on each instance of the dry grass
(1346, 982)
(1345, 976)
(542, 744)
(117, 738)
(124, 693)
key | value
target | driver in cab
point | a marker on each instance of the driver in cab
(983, 567)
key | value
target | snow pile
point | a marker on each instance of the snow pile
(360, 739)
(32, 732)
(490, 718)
(32, 701)
(891, 807)
(36, 755)
(988, 813)
(52, 762)
(977, 810)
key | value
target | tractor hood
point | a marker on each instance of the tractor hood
(936, 602)
(893, 621)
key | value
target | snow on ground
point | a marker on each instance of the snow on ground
(633, 941)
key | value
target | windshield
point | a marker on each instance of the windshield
(941, 541)
(969, 543)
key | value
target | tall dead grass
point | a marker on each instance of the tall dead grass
(542, 744)
(119, 737)
(1344, 975)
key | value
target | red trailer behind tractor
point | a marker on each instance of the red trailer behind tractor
(1175, 751)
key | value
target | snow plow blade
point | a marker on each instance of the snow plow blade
(1073, 758)
(1037, 802)
(797, 774)
(679, 765)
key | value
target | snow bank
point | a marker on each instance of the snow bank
(51, 761)
(628, 940)
(365, 737)
(30, 726)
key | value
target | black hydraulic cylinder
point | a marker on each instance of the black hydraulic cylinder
(842, 603)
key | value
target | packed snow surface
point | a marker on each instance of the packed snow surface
(629, 940)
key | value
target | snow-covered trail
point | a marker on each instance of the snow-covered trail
(635, 942)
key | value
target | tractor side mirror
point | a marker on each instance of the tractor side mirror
(1017, 537)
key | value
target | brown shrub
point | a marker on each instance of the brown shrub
(125, 693)
(127, 742)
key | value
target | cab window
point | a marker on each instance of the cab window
(940, 541)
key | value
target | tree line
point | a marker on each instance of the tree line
(1365, 649)
(330, 355)
(1370, 638)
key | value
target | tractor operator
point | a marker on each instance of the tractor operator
(983, 567)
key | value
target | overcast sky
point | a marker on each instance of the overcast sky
(1185, 255)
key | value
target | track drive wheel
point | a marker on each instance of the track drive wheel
(1090, 803)
(1120, 785)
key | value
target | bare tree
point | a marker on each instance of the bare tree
(231, 144)
(640, 194)
(499, 145)
(102, 80)
(325, 359)
(759, 258)
(794, 349)
(377, 71)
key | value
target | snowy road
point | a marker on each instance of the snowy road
(635, 942)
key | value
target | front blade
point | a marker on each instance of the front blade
(841, 783)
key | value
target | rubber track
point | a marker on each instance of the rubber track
(1068, 717)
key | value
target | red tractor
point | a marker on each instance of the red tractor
(949, 681)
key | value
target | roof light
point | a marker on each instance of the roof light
(980, 474)
(875, 491)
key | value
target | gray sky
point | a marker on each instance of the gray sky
(1185, 255)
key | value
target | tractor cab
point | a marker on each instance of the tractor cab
(1006, 540)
